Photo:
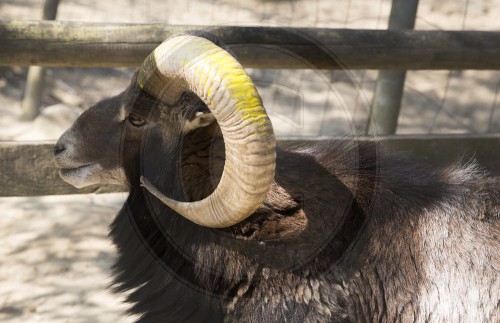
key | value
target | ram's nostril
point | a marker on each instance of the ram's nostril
(59, 148)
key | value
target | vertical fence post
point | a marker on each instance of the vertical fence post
(35, 81)
(384, 111)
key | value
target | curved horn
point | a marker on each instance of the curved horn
(193, 63)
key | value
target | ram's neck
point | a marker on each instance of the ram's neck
(202, 162)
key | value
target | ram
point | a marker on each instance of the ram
(222, 225)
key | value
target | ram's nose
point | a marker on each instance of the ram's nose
(59, 148)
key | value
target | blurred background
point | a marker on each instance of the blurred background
(54, 254)
(434, 102)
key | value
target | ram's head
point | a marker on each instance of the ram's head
(152, 114)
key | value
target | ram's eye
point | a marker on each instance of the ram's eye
(136, 120)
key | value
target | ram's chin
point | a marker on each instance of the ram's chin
(92, 174)
(82, 176)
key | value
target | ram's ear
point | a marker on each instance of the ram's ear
(200, 120)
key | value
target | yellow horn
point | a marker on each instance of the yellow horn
(193, 63)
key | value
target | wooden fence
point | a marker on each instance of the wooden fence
(55, 43)
(27, 168)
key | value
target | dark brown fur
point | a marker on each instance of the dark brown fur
(347, 233)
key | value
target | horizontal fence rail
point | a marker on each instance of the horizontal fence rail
(68, 44)
(27, 169)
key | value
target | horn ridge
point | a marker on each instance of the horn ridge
(189, 62)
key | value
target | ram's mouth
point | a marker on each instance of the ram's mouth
(68, 170)
(80, 176)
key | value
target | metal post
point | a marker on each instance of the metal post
(390, 84)
(36, 74)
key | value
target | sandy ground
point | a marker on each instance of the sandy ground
(54, 254)
(55, 259)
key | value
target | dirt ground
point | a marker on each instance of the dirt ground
(54, 254)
